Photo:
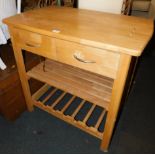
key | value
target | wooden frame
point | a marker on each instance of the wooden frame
(76, 74)
(126, 7)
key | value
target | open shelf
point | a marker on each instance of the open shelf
(91, 87)
(72, 109)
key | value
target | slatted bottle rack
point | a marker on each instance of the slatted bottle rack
(60, 79)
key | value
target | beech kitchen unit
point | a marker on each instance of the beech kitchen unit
(87, 55)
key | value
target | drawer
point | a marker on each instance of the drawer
(35, 43)
(88, 58)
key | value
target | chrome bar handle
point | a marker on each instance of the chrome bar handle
(78, 56)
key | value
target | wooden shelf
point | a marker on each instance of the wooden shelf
(89, 86)
(84, 115)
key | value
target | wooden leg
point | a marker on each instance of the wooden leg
(132, 77)
(23, 76)
(117, 92)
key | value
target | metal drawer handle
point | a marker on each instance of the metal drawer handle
(31, 45)
(78, 56)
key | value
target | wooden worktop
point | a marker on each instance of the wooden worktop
(113, 32)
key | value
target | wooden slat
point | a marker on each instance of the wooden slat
(89, 113)
(60, 114)
(68, 103)
(41, 91)
(49, 95)
(85, 75)
(69, 120)
(89, 129)
(100, 119)
(69, 83)
(78, 108)
(101, 101)
(73, 75)
(75, 82)
(58, 99)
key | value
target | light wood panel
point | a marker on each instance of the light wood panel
(66, 78)
(117, 92)
(35, 43)
(22, 72)
(88, 58)
(117, 33)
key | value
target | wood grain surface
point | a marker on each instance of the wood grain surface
(118, 33)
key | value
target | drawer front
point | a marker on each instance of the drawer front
(35, 43)
(88, 58)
